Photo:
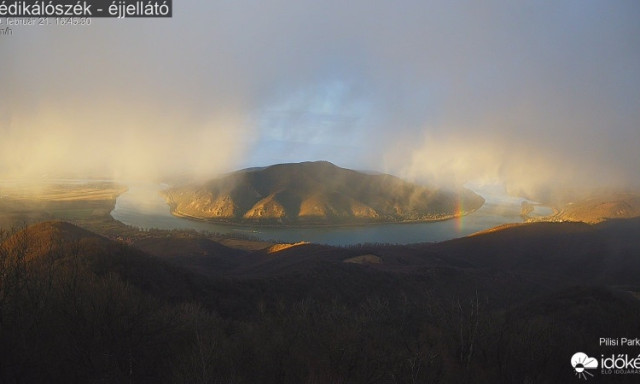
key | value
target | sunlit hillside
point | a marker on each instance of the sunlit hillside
(317, 193)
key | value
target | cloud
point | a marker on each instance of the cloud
(532, 94)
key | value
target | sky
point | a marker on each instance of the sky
(538, 95)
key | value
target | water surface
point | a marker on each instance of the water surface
(142, 206)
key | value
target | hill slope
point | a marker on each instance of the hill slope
(507, 306)
(316, 193)
(601, 207)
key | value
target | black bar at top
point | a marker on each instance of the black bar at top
(86, 8)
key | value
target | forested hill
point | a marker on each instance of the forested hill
(316, 193)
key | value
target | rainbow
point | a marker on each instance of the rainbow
(459, 214)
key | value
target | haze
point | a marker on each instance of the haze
(538, 94)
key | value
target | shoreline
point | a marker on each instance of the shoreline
(313, 226)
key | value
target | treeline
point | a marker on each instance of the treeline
(78, 309)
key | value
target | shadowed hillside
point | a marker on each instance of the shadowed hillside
(508, 306)
(316, 193)
(76, 307)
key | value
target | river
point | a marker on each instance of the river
(142, 206)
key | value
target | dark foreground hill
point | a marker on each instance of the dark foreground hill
(508, 306)
(315, 193)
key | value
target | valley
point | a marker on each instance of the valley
(321, 192)
(89, 297)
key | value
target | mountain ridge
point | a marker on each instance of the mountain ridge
(316, 193)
